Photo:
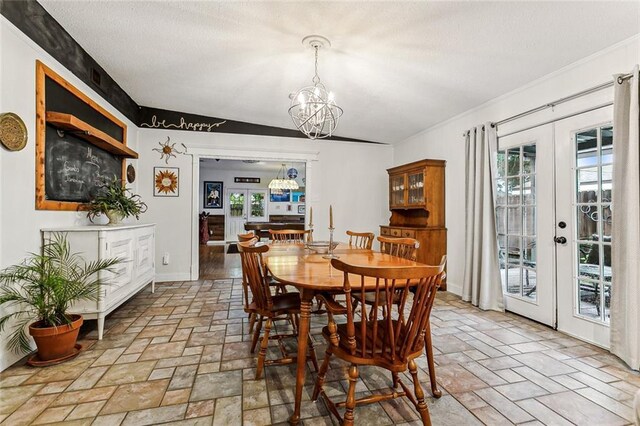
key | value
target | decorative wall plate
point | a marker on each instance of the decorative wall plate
(131, 173)
(13, 132)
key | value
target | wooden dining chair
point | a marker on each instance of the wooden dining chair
(269, 307)
(363, 240)
(289, 235)
(391, 341)
(246, 237)
(406, 248)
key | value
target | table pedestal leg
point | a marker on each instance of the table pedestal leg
(306, 300)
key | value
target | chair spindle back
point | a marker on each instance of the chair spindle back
(254, 274)
(362, 240)
(288, 235)
(391, 336)
(406, 248)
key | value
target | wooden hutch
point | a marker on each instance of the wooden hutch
(416, 202)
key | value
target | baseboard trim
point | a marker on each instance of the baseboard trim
(180, 276)
(454, 288)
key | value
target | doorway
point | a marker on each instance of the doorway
(245, 205)
(553, 212)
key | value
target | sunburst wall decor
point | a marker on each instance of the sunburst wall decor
(166, 182)
(168, 150)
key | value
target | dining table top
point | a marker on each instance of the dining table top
(292, 263)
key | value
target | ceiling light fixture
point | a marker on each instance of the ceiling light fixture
(313, 109)
(279, 184)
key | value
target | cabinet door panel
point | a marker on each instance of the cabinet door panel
(120, 245)
(145, 255)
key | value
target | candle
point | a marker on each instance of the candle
(330, 216)
(310, 216)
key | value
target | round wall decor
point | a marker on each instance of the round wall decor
(131, 173)
(13, 132)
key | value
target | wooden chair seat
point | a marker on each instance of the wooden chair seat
(287, 303)
(382, 356)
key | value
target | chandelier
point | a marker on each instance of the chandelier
(278, 184)
(313, 109)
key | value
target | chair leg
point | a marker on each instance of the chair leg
(432, 367)
(396, 379)
(256, 334)
(350, 403)
(321, 374)
(421, 406)
(252, 321)
(263, 349)
(312, 353)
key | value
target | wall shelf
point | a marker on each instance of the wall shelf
(89, 133)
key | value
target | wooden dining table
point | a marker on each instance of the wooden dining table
(311, 274)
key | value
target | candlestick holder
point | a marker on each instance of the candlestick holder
(310, 238)
(330, 255)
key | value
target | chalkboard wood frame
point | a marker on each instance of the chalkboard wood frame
(42, 73)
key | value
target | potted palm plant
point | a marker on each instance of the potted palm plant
(116, 201)
(42, 288)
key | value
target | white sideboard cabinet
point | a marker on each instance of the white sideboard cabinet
(134, 244)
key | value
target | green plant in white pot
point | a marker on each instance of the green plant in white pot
(40, 290)
(115, 201)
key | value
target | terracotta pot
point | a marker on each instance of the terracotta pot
(115, 217)
(56, 342)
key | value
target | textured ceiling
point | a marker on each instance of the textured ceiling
(396, 67)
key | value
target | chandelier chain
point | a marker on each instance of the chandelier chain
(316, 77)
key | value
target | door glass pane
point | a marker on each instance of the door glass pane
(513, 250)
(501, 194)
(528, 189)
(594, 155)
(587, 217)
(589, 261)
(514, 278)
(607, 302)
(501, 220)
(257, 204)
(607, 175)
(587, 148)
(501, 163)
(513, 190)
(514, 220)
(416, 188)
(236, 204)
(529, 159)
(607, 145)
(529, 283)
(513, 162)
(589, 299)
(529, 220)
(587, 185)
(529, 252)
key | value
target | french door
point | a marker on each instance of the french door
(553, 211)
(583, 224)
(525, 219)
(244, 205)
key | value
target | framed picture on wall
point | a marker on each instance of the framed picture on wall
(166, 182)
(284, 197)
(297, 197)
(213, 195)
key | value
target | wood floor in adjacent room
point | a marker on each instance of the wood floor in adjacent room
(181, 356)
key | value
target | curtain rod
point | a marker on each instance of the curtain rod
(588, 91)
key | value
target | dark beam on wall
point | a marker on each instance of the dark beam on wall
(33, 20)
(156, 118)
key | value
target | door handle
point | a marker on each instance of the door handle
(560, 240)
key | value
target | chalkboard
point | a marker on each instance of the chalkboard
(74, 168)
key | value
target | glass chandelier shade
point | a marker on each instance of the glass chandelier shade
(279, 184)
(313, 108)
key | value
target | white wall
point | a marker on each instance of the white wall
(445, 141)
(210, 173)
(20, 222)
(351, 176)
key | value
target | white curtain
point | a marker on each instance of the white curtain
(482, 285)
(625, 251)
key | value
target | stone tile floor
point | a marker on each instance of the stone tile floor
(181, 356)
